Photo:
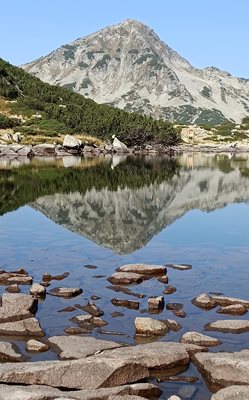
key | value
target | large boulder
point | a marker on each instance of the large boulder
(150, 327)
(44, 149)
(71, 142)
(229, 325)
(224, 369)
(90, 373)
(118, 145)
(28, 327)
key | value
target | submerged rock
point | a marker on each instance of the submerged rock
(66, 292)
(224, 369)
(204, 301)
(125, 278)
(13, 288)
(229, 325)
(199, 339)
(169, 290)
(15, 277)
(131, 304)
(91, 309)
(228, 301)
(181, 267)
(143, 269)
(235, 309)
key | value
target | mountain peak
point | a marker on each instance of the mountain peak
(128, 66)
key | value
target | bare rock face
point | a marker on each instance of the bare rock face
(125, 278)
(65, 292)
(155, 355)
(71, 142)
(204, 301)
(39, 392)
(144, 269)
(228, 301)
(229, 325)
(9, 352)
(234, 392)
(150, 326)
(27, 327)
(199, 339)
(36, 346)
(16, 307)
(235, 309)
(77, 374)
(224, 369)
(76, 347)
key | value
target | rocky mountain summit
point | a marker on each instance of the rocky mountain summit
(128, 66)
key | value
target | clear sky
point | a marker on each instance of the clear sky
(205, 32)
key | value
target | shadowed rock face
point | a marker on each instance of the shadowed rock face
(126, 219)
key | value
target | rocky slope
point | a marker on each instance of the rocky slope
(128, 66)
(126, 219)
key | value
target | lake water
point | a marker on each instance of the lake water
(57, 216)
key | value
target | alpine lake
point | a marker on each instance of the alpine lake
(89, 216)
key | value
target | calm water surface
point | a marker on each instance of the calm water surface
(57, 216)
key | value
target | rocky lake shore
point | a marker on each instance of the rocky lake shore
(76, 365)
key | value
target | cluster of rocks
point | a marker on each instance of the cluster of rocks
(88, 368)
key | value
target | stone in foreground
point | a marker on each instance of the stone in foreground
(76, 347)
(16, 307)
(236, 392)
(36, 346)
(125, 278)
(89, 373)
(39, 392)
(37, 290)
(199, 339)
(155, 355)
(9, 352)
(144, 269)
(65, 292)
(27, 327)
(150, 326)
(224, 369)
(229, 325)
(204, 301)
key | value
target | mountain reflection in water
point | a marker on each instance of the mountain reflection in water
(122, 202)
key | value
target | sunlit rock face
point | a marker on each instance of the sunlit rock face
(126, 219)
(128, 66)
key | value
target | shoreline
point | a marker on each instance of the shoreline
(54, 150)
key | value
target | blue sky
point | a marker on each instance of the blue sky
(205, 32)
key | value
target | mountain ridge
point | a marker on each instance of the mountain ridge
(128, 66)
